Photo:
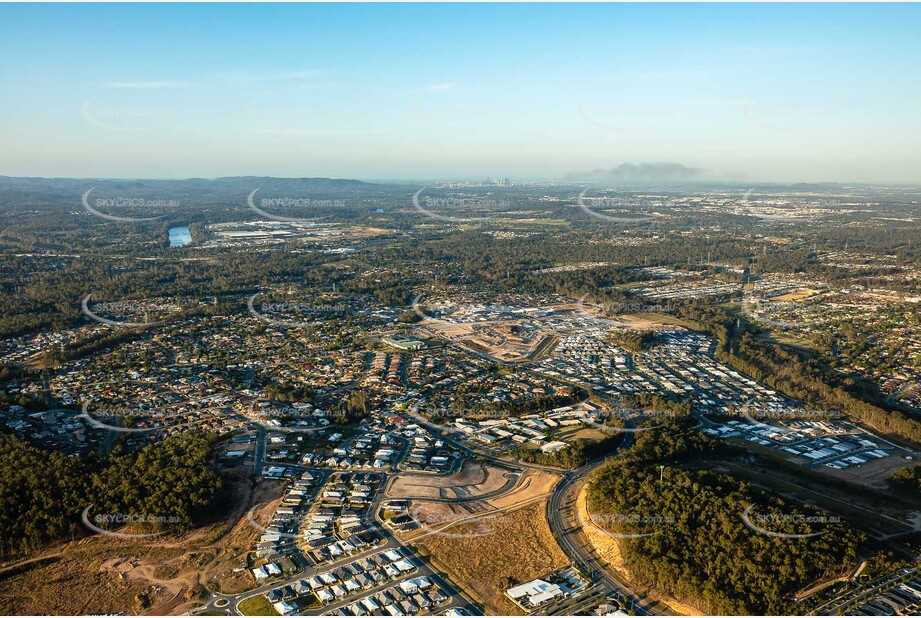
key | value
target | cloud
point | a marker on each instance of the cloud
(149, 85)
(642, 172)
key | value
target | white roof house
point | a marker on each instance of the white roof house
(534, 593)
(552, 447)
(260, 573)
(325, 595)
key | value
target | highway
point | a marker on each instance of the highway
(563, 519)
(566, 527)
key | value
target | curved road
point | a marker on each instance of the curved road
(566, 528)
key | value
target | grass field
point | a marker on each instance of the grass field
(519, 549)
(570, 434)
(788, 340)
(257, 606)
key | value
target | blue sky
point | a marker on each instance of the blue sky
(741, 92)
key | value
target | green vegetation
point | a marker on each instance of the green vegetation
(804, 378)
(808, 380)
(698, 548)
(43, 493)
(461, 405)
(573, 455)
(289, 392)
(257, 606)
(907, 481)
(633, 340)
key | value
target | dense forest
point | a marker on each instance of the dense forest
(695, 544)
(806, 380)
(43, 493)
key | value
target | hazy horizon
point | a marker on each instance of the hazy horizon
(737, 93)
(652, 184)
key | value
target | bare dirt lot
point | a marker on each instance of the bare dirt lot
(533, 484)
(643, 321)
(517, 548)
(153, 576)
(506, 340)
(872, 473)
(474, 479)
(794, 296)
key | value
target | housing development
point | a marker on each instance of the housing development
(391, 443)
(460, 309)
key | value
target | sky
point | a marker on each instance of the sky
(740, 92)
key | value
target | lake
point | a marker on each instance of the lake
(179, 236)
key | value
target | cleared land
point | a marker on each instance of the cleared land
(103, 575)
(533, 484)
(505, 340)
(520, 549)
(474, 479)
(794, 296)
(444, 517)
(643, 321)
(872, 474)
(153, 576)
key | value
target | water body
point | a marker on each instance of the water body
(179, 236)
